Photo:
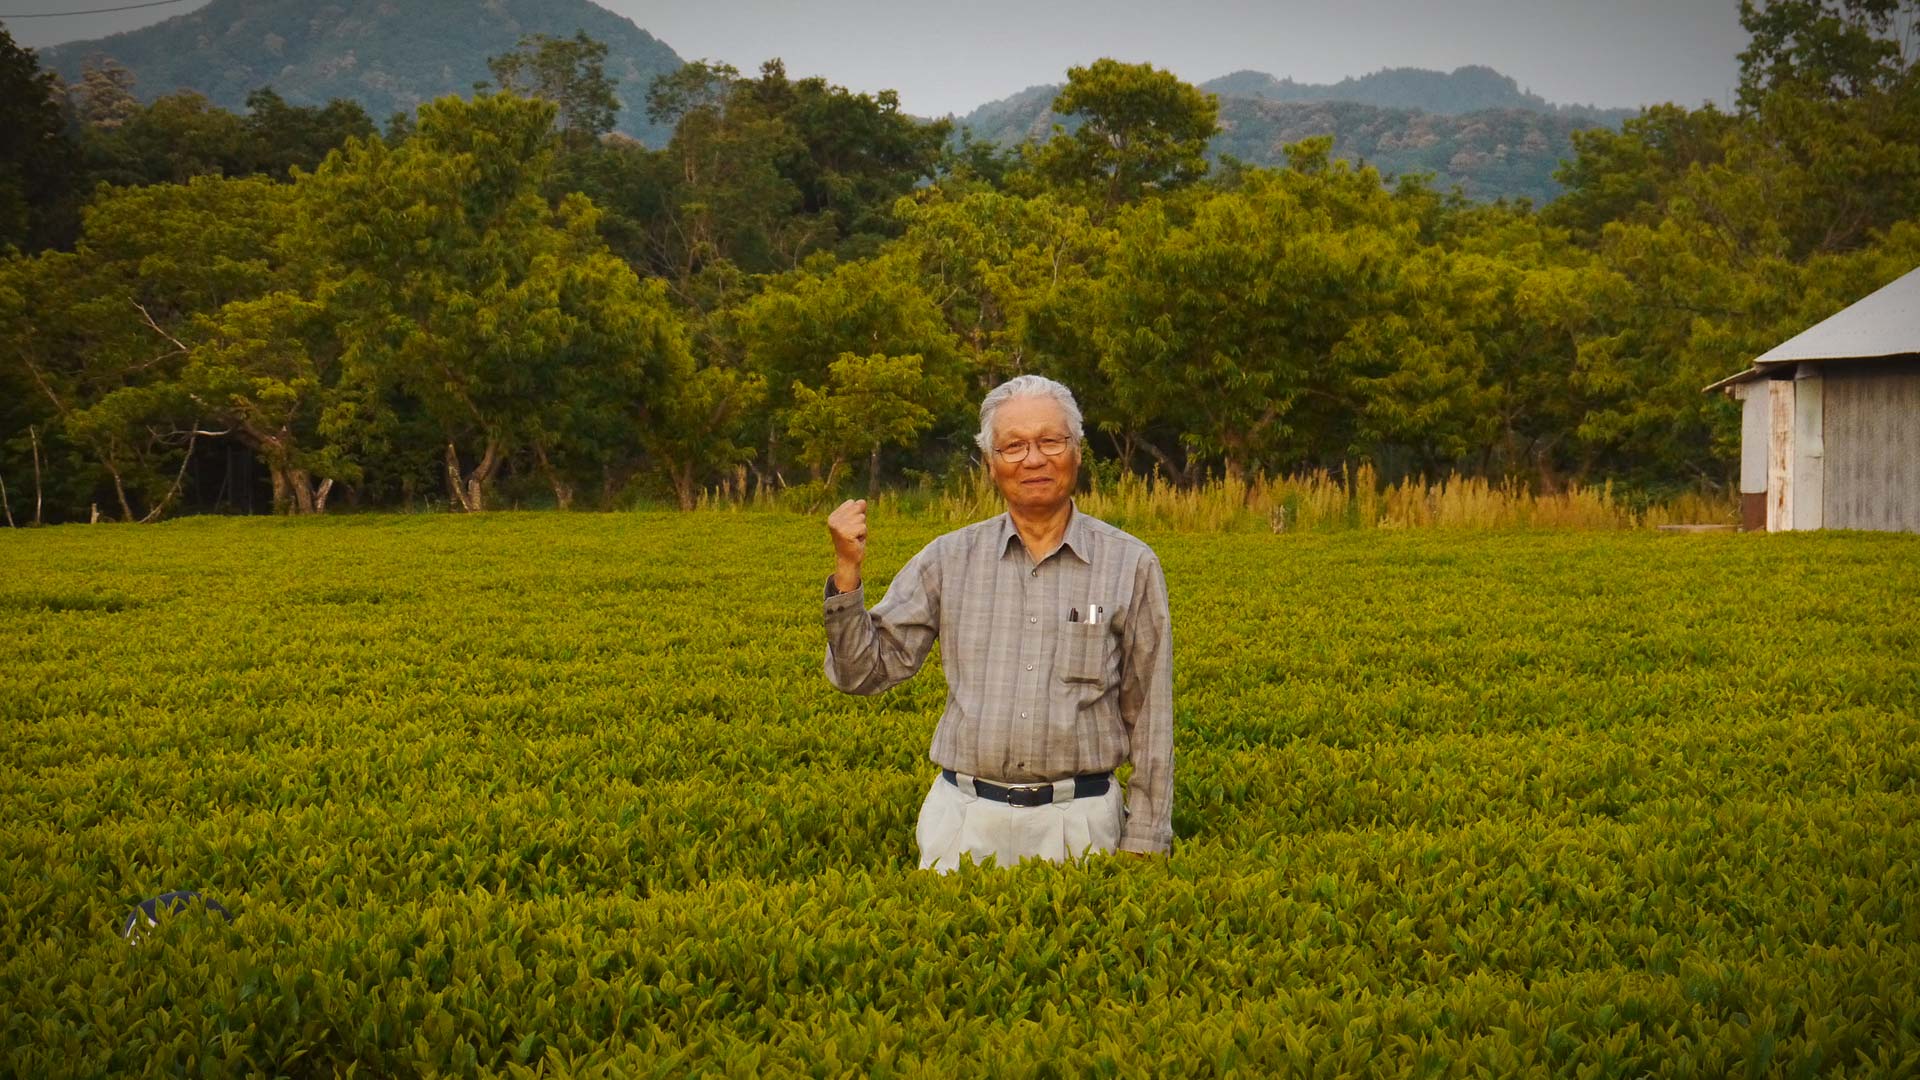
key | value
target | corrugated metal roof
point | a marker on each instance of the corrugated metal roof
(1884, 323)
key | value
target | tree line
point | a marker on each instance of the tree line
(498, 300)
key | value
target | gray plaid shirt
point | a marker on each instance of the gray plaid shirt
(1054, 669)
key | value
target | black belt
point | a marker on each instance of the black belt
(1085, 786)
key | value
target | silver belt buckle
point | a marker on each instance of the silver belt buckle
(1062, 790)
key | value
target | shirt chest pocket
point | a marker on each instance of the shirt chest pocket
(1084, 651)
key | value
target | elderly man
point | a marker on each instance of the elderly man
(1058, 654)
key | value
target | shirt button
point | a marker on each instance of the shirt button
(1035, 572)
(1029, 667)
(1023, 716)
(1030, 618)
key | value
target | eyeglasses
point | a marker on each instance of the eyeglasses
(1050, 445)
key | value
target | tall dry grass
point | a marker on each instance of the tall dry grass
(1324, 501)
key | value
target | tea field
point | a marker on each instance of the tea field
(523, 794)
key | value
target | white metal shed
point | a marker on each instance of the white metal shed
(1830, 421)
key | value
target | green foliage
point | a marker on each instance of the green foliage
(451, 282)
(97, 333)
(870, 402)
(287, 136)
(993, 260)
(1215, 319)
(37, 162)
(1829, 48)
(798, 327)
(1140, 129)
(399, 298)
(571, 73)
(492, 796)
(183, 135)
(697, 433)
(476, 302)
(763, 172)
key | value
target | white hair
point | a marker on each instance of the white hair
(1026, 386)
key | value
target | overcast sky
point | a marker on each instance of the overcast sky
(945, 57)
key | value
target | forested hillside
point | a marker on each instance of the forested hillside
(386, 57)
(805, 291)
(1463, 90)
(1474, 128)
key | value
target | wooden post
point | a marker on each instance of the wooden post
(1779, 455)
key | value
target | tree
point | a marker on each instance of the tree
(790, 333)
(1470, 365)
(763, 172)
(697, 431)
(1625, 175)
(722, 198)
(1141, 129)
(570, 73)
(104, 96)
(37, 161)
(989, 258)
(452, 283)
(282, 137)
(860, 152)
(174, 139)
(1215, 320)
(103, 334)
(871, 402)
(1833, 49)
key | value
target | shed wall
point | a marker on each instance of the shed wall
(1872, 445)
(1753, 437)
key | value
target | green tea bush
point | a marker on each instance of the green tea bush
(568, 795)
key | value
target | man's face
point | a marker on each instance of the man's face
(1039, 483)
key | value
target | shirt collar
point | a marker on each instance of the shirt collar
(1078, 539)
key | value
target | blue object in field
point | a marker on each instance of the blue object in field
(148, 910)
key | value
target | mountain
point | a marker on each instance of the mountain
(388, 55)
(1491, 154)
(1463, 90)
(1474, 128)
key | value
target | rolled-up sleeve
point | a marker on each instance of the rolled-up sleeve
(1146, 708)
(869, 651)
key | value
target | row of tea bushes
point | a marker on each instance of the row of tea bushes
(541, 794)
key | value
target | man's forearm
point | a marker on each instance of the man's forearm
(846, 576)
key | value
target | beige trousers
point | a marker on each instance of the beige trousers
(955, 822)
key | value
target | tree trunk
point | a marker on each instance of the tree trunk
(178, 479)
(682, 476)
(34, 434)
(482, 476)
(562, 491)
(119, 489)
(301, 482)
(453, 479)
(1174, 471)
(873, 474)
